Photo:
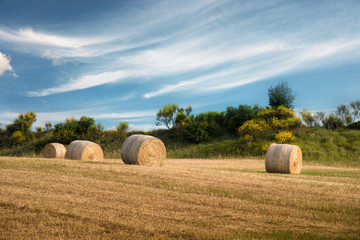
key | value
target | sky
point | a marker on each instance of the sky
(117, 60)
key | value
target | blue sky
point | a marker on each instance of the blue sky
(123, 60)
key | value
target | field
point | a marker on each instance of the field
(184, 199)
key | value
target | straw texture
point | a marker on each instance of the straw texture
(54, 150)
(84, 150)
(283, 158)
(143, 150)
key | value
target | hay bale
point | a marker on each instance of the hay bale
(54, 150)
(143, 150)
(283, 158)
(84, 150)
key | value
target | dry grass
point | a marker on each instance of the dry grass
(184, 199)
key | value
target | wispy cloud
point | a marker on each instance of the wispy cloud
(5, 64)
(83, 82)
(28, 35)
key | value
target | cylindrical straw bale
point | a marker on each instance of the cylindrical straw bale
(54, 150)
(283, 158)
(143, 150)
(84, 150)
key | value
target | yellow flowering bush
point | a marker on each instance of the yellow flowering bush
(284, 137)
(17, 137)
(253, 129)
(280, 118)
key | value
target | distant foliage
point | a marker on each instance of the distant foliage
(349, 113)
(318, 118)
(281, 95)
(332, 121)
(308, 117)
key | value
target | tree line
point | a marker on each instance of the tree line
(249, 123)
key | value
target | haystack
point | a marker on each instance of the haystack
(283, 158)
(54, 150)
(84, 150)
(143, 150)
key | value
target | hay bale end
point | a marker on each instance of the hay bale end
(143, 150)
(283, 158)
(84, 150)
(54, 150)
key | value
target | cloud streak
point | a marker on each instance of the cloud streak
(28, 35)
(5, 64)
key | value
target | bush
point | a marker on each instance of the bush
(252, 130)
(17, 137)
(197, 131)
(284, 137)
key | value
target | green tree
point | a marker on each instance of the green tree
(165, 115)
(281, 94)
(182, 116)
(172, 115)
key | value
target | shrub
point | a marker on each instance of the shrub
(17, 137)
(284, 137)
(197, 131)
(254, 129)
(280, 118)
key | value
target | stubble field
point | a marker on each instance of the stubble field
(184, 199)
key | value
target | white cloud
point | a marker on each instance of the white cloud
(82, 82)
(30, 36)
(5, 64)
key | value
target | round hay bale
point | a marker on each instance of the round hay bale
(54, 150)
(143, 150)
(283, 158)
(84, 150)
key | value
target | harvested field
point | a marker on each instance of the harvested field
(184, 199)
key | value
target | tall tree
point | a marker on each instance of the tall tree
(165, 115)
(281, 94)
